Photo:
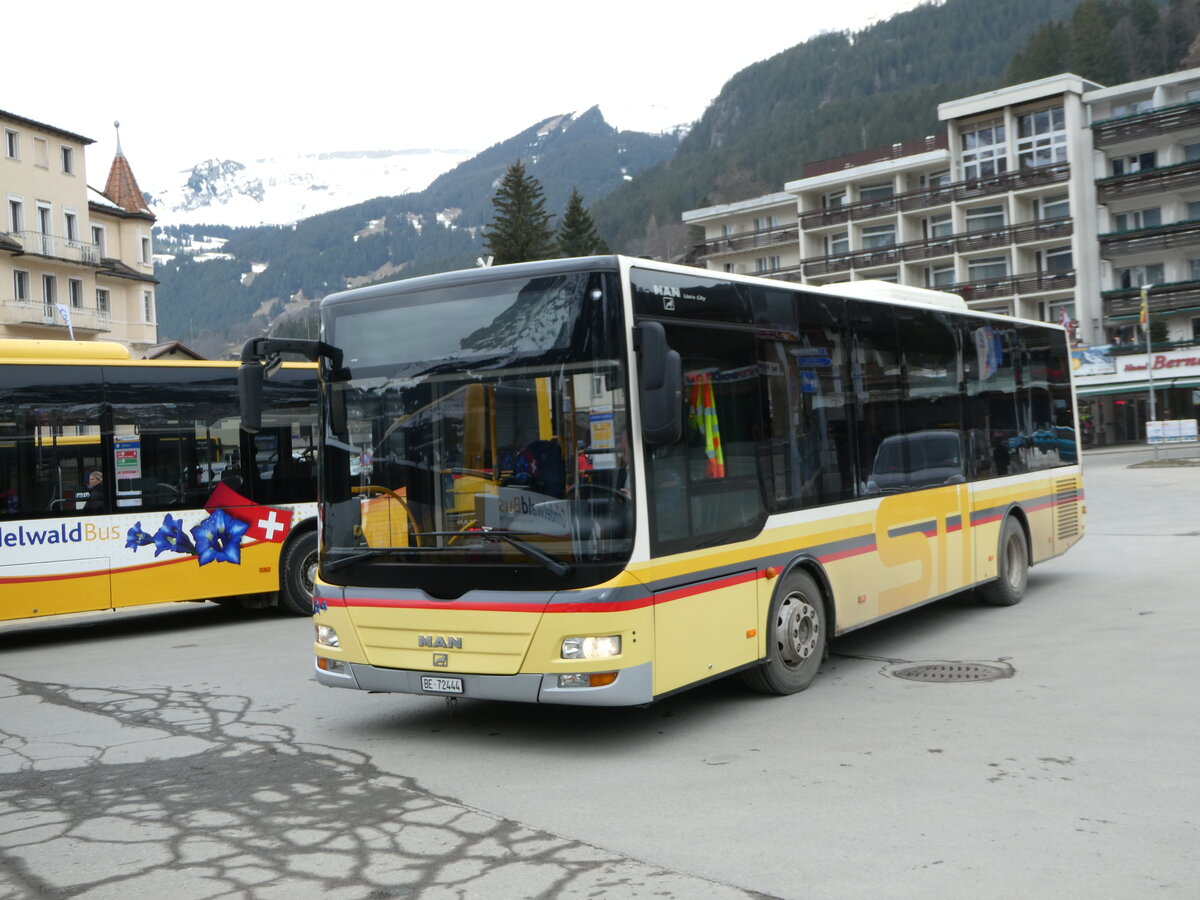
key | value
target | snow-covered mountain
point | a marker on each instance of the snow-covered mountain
(285, 189)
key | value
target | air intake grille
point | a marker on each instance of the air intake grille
(1066, 508)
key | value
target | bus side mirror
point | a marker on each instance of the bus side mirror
(660, 374)
(250, 395)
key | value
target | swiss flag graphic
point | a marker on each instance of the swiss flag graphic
(266, 523)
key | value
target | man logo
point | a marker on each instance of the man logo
(441, 659)
(439, 642)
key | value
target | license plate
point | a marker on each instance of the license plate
(439, 685)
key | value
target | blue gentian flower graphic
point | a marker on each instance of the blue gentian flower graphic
(172, 537)
(219, 538)
(135, 538)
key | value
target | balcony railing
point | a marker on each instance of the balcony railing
(787, 235)
(1160, 237)
(29, 312)
(1013, 285)
(1148, 181)
(937, 196)
(1166, 119)
(1178, 296)
(40, 243)
(934, 248)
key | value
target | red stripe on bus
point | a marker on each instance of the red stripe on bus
(846, 554)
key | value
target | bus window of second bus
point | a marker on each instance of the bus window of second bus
(49, 439)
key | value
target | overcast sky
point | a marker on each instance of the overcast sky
(251, 79)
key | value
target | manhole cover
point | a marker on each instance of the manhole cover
(951, 672)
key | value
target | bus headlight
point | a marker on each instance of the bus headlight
(326, 636)
(591, 647)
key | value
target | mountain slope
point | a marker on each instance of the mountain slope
(213, 301)
(834, 94)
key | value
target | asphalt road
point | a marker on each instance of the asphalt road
(186, 752)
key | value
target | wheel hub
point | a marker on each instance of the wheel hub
(798, 629)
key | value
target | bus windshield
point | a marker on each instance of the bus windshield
(479, 427)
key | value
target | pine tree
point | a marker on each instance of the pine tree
(577, 232)
(520, 230)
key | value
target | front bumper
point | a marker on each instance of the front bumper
(633, 687)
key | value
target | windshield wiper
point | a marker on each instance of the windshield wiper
(332, 565)
(553, 564)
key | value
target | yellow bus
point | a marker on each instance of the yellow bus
(126, 482)
(600, 481)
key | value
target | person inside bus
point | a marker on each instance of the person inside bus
(97, 496)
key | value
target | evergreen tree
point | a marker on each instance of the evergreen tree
(1046, 54)
(520, 230)
(577, 232)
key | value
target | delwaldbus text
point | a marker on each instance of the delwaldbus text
(603, 480)
(126, 482)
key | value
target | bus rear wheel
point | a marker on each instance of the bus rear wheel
(796, 638)
(299, 572)
(1012, 563)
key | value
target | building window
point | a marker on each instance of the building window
(1194, 265)
(98, 239)
(939, 276)
(985, 218)
(144, 251)
(1057, 259)
(893, 277)
(68, 160)
(102, 301)
(20, 286)
(939, 227)
(766, 264)
(876, 236)
(16, 215)
(75, 290)
(148, 305)
(1056, 206)
(1041, 138)
(1140, 276)
(728, 267)
(1138, 218)
(984, 150)
(12, 144)
(727, 230)
(1191, 152)
(837, 243)
(765, 222)
(936, 179)
(1060, 313)
(1193, 210)
(1133, 108)
(71, 226)
(41, 152)
(1196, 330)
(1127, 165)
(871, 192)
(987, 268)
(835, 200)
(49, 290)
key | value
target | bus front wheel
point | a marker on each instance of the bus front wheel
(796, 638)
(1012, 564)
(298, 574)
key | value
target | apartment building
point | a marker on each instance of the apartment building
(1147, 139)
(75, 262)
(1056, 199)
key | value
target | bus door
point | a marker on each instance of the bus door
(705, 494)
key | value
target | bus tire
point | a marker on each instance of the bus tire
(298, 571)
(1012, 565)
(796, 638)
